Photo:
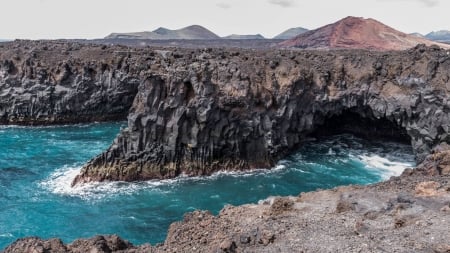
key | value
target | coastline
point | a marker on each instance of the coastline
(403, 214)
(189, 114)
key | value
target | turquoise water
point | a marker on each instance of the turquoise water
(38, 164)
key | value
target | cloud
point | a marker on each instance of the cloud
(283, 3)
(223, 5)
(428, 3)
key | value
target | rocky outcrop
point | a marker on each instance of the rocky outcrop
(357, 33)
(195, 112)
(54, 83)
(243, 110)
(99, 244)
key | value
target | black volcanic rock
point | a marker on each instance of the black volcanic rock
(199, 111)
(55, 83)
(244, 110)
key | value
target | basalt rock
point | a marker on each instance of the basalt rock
(45, 83)
(247, 109)
(195, 112)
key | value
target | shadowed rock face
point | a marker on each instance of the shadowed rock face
(55, 83)
(244, 110)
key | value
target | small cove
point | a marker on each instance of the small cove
(37, 165)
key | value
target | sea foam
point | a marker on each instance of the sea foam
(387, 167)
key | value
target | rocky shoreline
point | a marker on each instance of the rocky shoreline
(410, 213)
(197, 111)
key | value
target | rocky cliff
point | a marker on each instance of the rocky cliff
(244, 109)
(59, 82)
(195, 112)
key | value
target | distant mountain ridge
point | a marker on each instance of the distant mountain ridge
(442, 35)
(350, 32)
(357, 33)
(291, 33)
(193, 32)
(244, 37)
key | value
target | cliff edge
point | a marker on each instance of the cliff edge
(247, 109)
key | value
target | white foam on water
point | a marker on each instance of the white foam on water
(331, 152)
(387, 167)
(7, 235)
(59, 182)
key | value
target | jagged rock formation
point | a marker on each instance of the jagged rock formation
(193, 32)
(290, 33)
(99, 244)
(410, 213)
(54, 83)
(353, 32)
(195, 112)
(243, 110)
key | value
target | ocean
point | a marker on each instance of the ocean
(37, 165)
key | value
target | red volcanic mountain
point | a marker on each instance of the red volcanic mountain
(360, 33)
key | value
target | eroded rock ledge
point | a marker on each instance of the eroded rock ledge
(247, 109)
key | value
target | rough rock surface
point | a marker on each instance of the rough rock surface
(354, 32)
(410, 213)
(199, 111)
(247, 109)
(59, 82)
(97, 244)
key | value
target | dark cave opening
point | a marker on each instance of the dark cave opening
(363, 125)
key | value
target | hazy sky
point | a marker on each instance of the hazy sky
(52, 19)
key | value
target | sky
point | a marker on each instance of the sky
(55, 19)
